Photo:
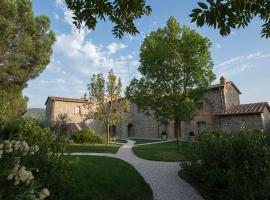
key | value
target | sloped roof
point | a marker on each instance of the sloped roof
(54, 98)
(216, 86)
(242, 109)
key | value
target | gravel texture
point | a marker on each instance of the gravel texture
(161, 176)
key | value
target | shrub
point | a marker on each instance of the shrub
(56, 170)
(88, 136)
(16, 175)
(231, 166)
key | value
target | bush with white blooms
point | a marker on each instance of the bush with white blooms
(17, 181)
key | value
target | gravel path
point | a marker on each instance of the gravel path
(161, 176)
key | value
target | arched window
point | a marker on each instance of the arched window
(77, 110)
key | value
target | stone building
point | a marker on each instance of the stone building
(221, 111)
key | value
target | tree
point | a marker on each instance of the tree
(25, 49)
(107, 101)
(12, 103)
(222, 14)
(121, 13)
(176, 68)
(60, 125)
(227, 14)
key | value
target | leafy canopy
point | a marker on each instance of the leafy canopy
(25, 43)
(176, 68)
(105, 102)
(227, 14)
(121, 13)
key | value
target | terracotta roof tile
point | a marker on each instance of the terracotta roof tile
(252, 108)
(54, 98)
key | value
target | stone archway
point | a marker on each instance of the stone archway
(131, 131)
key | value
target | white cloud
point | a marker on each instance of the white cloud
(240, 63)
(60, 3)
(56, 16)
(114, 47)
(218, 45)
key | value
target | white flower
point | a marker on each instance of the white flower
(44, 193)
(1, 146)
(1, 152)
(10, 176)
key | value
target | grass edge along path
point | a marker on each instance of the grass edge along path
(166, 151)
(92, 148)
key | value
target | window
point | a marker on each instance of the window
(202, 126)
(77, 110)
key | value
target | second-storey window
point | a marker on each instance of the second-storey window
(77, 109)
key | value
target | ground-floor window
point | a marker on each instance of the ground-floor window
(202, 126)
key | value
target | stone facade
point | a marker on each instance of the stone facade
(221, 111)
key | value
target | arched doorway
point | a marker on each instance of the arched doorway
(131, 131)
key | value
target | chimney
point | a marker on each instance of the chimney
(222, 80)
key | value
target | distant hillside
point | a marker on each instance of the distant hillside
(35, 112)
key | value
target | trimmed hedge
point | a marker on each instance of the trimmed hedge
(230, 166)
(88, 136)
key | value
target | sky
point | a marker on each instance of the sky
(242, 57)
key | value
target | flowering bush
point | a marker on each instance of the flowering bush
(42, 153)
(17, 179)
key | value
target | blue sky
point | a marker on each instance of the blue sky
(242, 57)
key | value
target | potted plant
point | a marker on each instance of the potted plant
(164, 135)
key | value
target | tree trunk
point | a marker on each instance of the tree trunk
(108, 134)
(178, 132)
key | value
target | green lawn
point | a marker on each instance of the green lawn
(99, 178)
(92, 148)
(143, 141)
(120, 141)
(162, 151)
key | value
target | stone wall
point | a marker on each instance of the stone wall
(205, 114)
(266, 119)
(144, 126)
(231, 96)
(214, 98)
(235, 122)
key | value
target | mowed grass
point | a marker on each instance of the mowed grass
(143, 141)
(166, 151)
(99, 178)
(92, 148)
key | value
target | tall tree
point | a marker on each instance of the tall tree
(230, 14)
(176, 68)
(121, 13)
(106, 98)
(25, 48)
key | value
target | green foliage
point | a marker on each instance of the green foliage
(231, 166)
(121, 13)
(176, 68)
(60, 125)
(56, 171)
(38, 113)
(25, 49)
(12, 102)
(26, 43)
(105, 103)
(226, 15)
(88, 136)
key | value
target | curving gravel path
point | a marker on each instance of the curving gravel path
(161, 176)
